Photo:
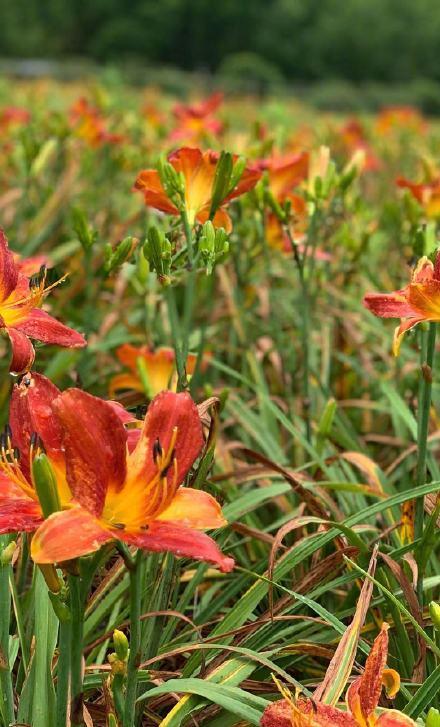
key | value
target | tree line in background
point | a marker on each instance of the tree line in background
(386, 40)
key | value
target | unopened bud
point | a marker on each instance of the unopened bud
(45, 483)
(172, 182)
(213, 244)
(7, 553)
(43, 158)
(115, 258)
(222, 181)
(120, 642)
(86, 234)
(157, 250)
(433, 718)
(434, 612)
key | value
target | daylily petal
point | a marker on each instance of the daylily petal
(42, 326)
(95, 447)
(19, 515)
(23, 353)
(8, 268)
(277, 714)
(400, 331)
(393, 718)
(247, 181)
(166, 412)
(124, 381)
(66, 535)
(389, 305)
(31, 411)
(364, 693)
(194, 509)
(148, 182)
(424, 298)
(182, 541)
(220, 219)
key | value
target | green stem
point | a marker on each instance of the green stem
(76, 652)
(7, 693)
(63, 673)
(305, 333)
(427, 361)
(135, 642)
(188, 235)
(175, 335)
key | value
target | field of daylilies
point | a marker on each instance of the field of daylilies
(219, 473)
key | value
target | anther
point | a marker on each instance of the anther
(119, 526)
(34, 439)
(157, 450)
(144, 527)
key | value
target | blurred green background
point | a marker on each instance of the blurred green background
(244, 44)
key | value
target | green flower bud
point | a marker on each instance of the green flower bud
(86, 234)
(43, 158)
(157, 250)
(120, 642)
(434, 611)
(433, 718)
(45, 484)
(115, 258)
(7, 553)
(222, 181)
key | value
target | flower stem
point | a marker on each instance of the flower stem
(63, 673)
(76, 652)
(305, 332)
(135, 642)
(427, 360)
(175, 335)
(7, 694)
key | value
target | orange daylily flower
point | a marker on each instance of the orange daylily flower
(198, 169)
(13, 115)
(90, 126)
(196, 121)
(285, 173)
(418, 301)
(362, 699)
(427, 194)
(21, 316)
(110, 485)
(159, 365)
(354, 139)
(400, 117)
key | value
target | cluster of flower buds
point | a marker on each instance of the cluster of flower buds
(157, 250)
(115, 257)
(213, 245)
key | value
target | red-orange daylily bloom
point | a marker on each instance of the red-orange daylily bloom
(400, 117)
(110, 486)
(90, 125)
(159, 367)
(22, 318)
(285, 173)
(354, 140)
(426, 193)
(195, 121)
(362, 699)
(418, 301)
(198, 169)
(13, 115)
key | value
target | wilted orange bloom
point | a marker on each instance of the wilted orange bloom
(159, 367)
(362, 699)
(354, 139)
(418, 301)
(13, 115)
(400, 118)
(110, 485)
(427, 194)
(21, 316)
(196, 121)
(90, 126)
(198, 169)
